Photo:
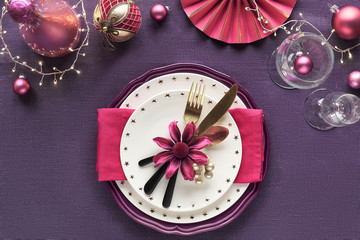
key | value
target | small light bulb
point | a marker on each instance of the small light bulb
(40, 63)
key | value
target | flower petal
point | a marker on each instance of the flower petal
(174, 131)
(198, 157)
(188, 132)
(164, 143)
(172, 168)
(200, 143)
(187, 169)
(162, 157)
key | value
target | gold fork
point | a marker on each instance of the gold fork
(192, 113)
(194, 103)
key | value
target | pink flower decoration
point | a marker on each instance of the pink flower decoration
(181, 152)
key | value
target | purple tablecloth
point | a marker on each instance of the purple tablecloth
(48, 182)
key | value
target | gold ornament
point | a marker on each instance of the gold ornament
(117, 20)
(209, 166)
(208, 174)
(196, 167)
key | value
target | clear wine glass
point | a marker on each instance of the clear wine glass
(324, 109)
(281, 63)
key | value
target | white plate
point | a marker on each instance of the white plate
(175, 82)
(151, 120)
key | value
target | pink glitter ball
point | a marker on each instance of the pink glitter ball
(158, 12)
(21, 86)
(303, 64)
(354, 80)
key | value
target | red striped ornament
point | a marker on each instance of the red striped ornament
(117, 20)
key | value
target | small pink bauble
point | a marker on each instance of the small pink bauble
(21, 86)
(303, 64)
(158, 12)
(354, 80)
(346, 22)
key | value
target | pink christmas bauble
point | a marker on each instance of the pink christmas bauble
(303, 64)
(117, 20)
(346, 22)
(354, 80)
(21, 86)
(158, 12)
(22, 11)
(51, 28)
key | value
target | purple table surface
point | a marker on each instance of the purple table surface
(48, 181)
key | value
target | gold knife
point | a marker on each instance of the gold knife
(218, 111)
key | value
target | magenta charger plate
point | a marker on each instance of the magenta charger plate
(237, 208)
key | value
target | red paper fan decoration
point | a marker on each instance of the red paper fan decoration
(230, 22)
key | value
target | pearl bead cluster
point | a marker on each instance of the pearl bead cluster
(209, 167)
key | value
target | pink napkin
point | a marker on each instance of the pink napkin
(111, 123)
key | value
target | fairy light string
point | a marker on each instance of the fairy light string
(56, 74)
(297, 24)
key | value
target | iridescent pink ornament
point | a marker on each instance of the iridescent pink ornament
(346, 21)
(21, 86)
(158, 12)
(303, 64)
(354, 80)
(51, 28)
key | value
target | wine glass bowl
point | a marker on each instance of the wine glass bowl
(282, 68)
(324, 109)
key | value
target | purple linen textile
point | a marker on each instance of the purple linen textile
(48, 181)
